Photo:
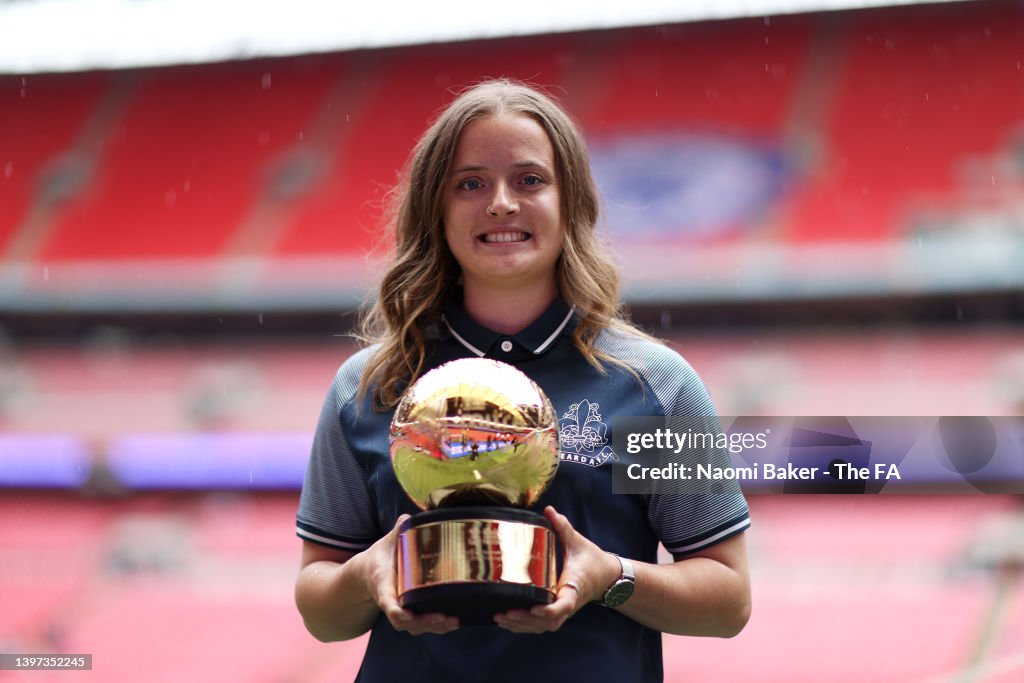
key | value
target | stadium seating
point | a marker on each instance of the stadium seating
(40, 120)
(846, 589)
(736, 77)
(294, 157)
(916, 97)
(188, 157)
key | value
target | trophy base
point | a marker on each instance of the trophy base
(475, 562)
(475, 604)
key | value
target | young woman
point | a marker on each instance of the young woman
(497, 256)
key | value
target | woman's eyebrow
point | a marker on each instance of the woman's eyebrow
(465, 169)
(518, 164)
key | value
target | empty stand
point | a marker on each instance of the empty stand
(188, 157)
(295, 157)
(40, 119)
(52, 547)
(735, 77)
(279, 388)
(847, 589)
(918, 94)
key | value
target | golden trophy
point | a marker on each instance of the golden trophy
(473, 443)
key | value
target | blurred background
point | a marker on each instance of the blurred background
(820, 204)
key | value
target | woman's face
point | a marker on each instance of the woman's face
(502, 209)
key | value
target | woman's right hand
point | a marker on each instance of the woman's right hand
(377, 564)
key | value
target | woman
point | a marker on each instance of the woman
(497, 256)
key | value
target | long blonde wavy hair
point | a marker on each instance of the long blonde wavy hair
(423, 273)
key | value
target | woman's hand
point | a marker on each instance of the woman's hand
(586, 574)
(377, 569)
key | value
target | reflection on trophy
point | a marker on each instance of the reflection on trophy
(473, 442)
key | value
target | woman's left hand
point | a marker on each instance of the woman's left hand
(586, 574)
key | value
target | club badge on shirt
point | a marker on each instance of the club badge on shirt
(583, 435)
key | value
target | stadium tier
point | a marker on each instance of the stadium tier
(733, 77)
(200, 587)
(912, 108)
(761, 145)
(208, 417)
(41, 120)
(186, 158)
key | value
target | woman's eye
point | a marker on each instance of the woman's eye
(470, 184)
(532, 180)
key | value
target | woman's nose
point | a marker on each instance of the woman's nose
(503, 203)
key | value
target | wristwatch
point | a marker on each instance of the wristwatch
(620, 591)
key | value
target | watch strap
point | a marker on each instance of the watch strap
(627, 569)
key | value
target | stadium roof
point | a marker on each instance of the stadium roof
(78, 35)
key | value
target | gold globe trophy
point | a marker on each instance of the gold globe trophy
(474, 442)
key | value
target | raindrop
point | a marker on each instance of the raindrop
(666, 319)
(8, 169)
(993, 180)
(266, 81)
(170, 198)
(301, 134)
(926, 97)
(960, 313)
(46, 273)
(348, 119)
(767, 21)
(655, 92)
(187, 185)
(766, 40)
(261, 318)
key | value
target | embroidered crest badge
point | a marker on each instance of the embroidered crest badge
(584, 436)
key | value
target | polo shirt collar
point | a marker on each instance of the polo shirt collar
(534, 340)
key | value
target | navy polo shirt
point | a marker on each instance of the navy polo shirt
(351, 498)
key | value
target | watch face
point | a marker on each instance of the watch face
(618, 593)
